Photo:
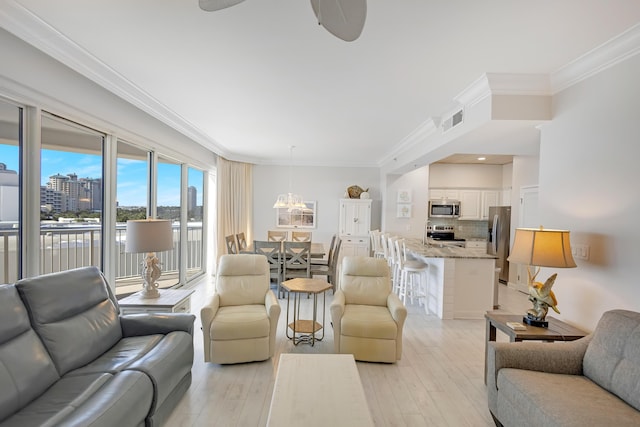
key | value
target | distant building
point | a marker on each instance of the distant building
(9, 194)
(192, 198)
(68, 193)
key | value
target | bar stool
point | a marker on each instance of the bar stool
(376, 244)
(413, 279)
(393, 260)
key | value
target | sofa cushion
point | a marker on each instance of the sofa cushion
(26, 370)
(89, 400)
(120, 356)
(559, 400)
(74, 315)
(365, 281)
(167, 364)
(368, 321)
(612, 359)
(242, 279)
(240, 322)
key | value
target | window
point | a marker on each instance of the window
(195, 248)
(168, 207)
(71, 195)
(10, 142)
(132, 202)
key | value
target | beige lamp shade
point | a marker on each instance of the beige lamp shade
(542, 248)
(149, 235)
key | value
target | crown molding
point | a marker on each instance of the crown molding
(418, 136)
(27, 26)
(606, 55)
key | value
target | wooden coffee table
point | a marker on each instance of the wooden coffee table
(557, 331)
(305, 330)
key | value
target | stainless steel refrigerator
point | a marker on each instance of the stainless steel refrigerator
(498, 241)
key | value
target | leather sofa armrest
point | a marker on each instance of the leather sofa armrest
(397, 309)
(272, 305)
(337, 311)
(159, 323)
(337, 306)
(209, 310)
(207, 313)
(555, 357)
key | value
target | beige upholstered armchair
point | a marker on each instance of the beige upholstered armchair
(367, 317)
(239, 322)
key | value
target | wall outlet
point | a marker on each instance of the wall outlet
(580, 251)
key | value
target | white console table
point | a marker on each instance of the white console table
(170, 301)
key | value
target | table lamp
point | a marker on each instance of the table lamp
(150, 236)
(541, 248)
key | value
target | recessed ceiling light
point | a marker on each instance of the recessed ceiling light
(482, 158)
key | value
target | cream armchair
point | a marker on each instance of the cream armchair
(239, 322)
(367, 317)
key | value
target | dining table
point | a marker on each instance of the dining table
(317, 249)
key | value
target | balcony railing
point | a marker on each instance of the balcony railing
(67, 246)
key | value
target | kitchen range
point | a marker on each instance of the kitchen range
(442, 235)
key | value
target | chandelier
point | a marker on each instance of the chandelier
(290, 201)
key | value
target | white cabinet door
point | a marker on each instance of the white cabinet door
(489, 198)
(470, 205)
(354, 246)
(355, 217)
(444, 193)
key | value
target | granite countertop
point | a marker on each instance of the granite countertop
(416, 247)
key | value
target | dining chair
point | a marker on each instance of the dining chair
(242, 241)
(232, 244)
(276, 235)
(296, 260)
(300, 236)
(329, 270)
(273, 252)
(325, 261)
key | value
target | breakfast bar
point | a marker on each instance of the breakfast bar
(461, 280)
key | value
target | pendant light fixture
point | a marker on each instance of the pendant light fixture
(290, 201)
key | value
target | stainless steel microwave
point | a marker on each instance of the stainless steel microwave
(444, 208)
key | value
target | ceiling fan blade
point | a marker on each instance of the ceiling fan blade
(342, 18)
(211, 5)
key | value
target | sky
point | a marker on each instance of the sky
(131, 178)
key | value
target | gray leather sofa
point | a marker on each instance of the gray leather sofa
(594, 381)
(68, 358)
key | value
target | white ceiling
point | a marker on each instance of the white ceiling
(258, 77)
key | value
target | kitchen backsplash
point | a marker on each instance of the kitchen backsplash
(465, 229)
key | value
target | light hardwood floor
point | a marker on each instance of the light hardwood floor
(438, 381)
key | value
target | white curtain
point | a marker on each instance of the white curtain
(235, 201)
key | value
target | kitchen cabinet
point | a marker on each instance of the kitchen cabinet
(489, 198)
(474, 204)
(355, 224)
(444, 193)
(470, 204)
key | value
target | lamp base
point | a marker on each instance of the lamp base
(533, 322)
(149, 293)
(150, 274)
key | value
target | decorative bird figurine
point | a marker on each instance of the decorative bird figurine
(542, 298)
